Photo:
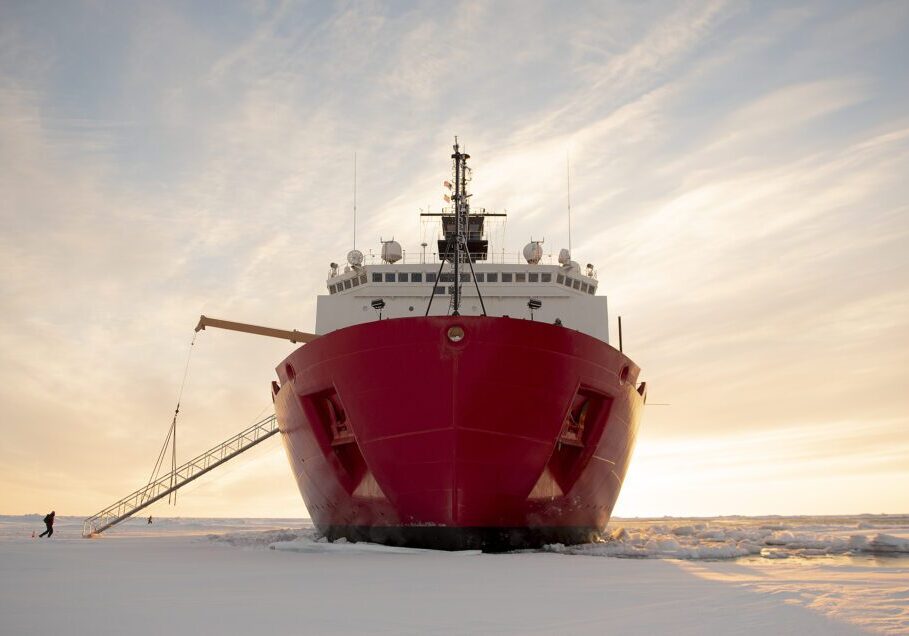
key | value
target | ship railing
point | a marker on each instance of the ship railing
(417, 258)
(171, 481)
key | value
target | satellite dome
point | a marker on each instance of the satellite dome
(355, 258)
(391, 251)
(564, 257)
(533, 252)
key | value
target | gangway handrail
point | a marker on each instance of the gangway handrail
(168, 483)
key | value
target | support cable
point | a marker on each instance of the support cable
(474, 276)
(438, 276)
(171, 439)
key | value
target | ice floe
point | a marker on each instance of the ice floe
(722, 539)
(707, 539)
(309, 541)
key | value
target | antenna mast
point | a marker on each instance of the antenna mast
(463, 241)
(460, 161)
(355, 202)
(568, 188)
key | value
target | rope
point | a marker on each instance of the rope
(171, 439)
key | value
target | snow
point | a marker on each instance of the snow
(730, 575)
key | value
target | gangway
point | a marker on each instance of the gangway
(163, 486)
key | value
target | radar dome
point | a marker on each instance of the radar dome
(355, 258)
(391, 251)
(564, 257)
(533, 252)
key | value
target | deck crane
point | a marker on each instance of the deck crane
(292, 335)
(160, 487)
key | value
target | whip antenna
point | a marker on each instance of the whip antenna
(568, 188)
(355, 203)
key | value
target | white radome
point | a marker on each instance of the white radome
(355, 258)
(391, 251)
(564, 257)
(533, 252)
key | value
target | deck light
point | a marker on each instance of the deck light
(534, 303)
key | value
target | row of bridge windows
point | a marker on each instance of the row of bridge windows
(448, 277)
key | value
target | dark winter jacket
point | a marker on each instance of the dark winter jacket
(49, 519)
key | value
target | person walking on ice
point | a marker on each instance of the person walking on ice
(49, 522)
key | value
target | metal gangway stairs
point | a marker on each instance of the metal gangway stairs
(170, 482)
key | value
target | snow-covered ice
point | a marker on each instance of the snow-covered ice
(801, 575)
(734, 537)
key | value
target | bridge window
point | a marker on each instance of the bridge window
(592, 289)
(331, 289)
(560, 279)
(447, 277)
(389, 277)
(492, 277)
(576, 284)
(376, 277)
(347, 284)
(507, 277)
(439, 290)
(402, 277)
(363, 279)
(584, 287)
(465, 278)
(430, 277)
(355, 281)
(533, 277)
(546, 278)
(567, 282)
(416, 277)
(520, 277)
(481, 277)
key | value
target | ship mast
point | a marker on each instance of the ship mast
(463, 240)
(461, 209)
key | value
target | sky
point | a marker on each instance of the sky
(738, 178)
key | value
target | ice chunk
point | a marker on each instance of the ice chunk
(262, 539)
(712, 535)
(721, 538)
(887, 543)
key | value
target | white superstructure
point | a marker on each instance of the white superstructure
(565, 294)
(560, 294)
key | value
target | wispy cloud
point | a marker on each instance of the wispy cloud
(737, 178)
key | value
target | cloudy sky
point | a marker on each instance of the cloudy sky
(739, 178)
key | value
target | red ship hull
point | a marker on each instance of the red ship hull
(515, 436)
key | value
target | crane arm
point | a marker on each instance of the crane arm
(293, 335)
